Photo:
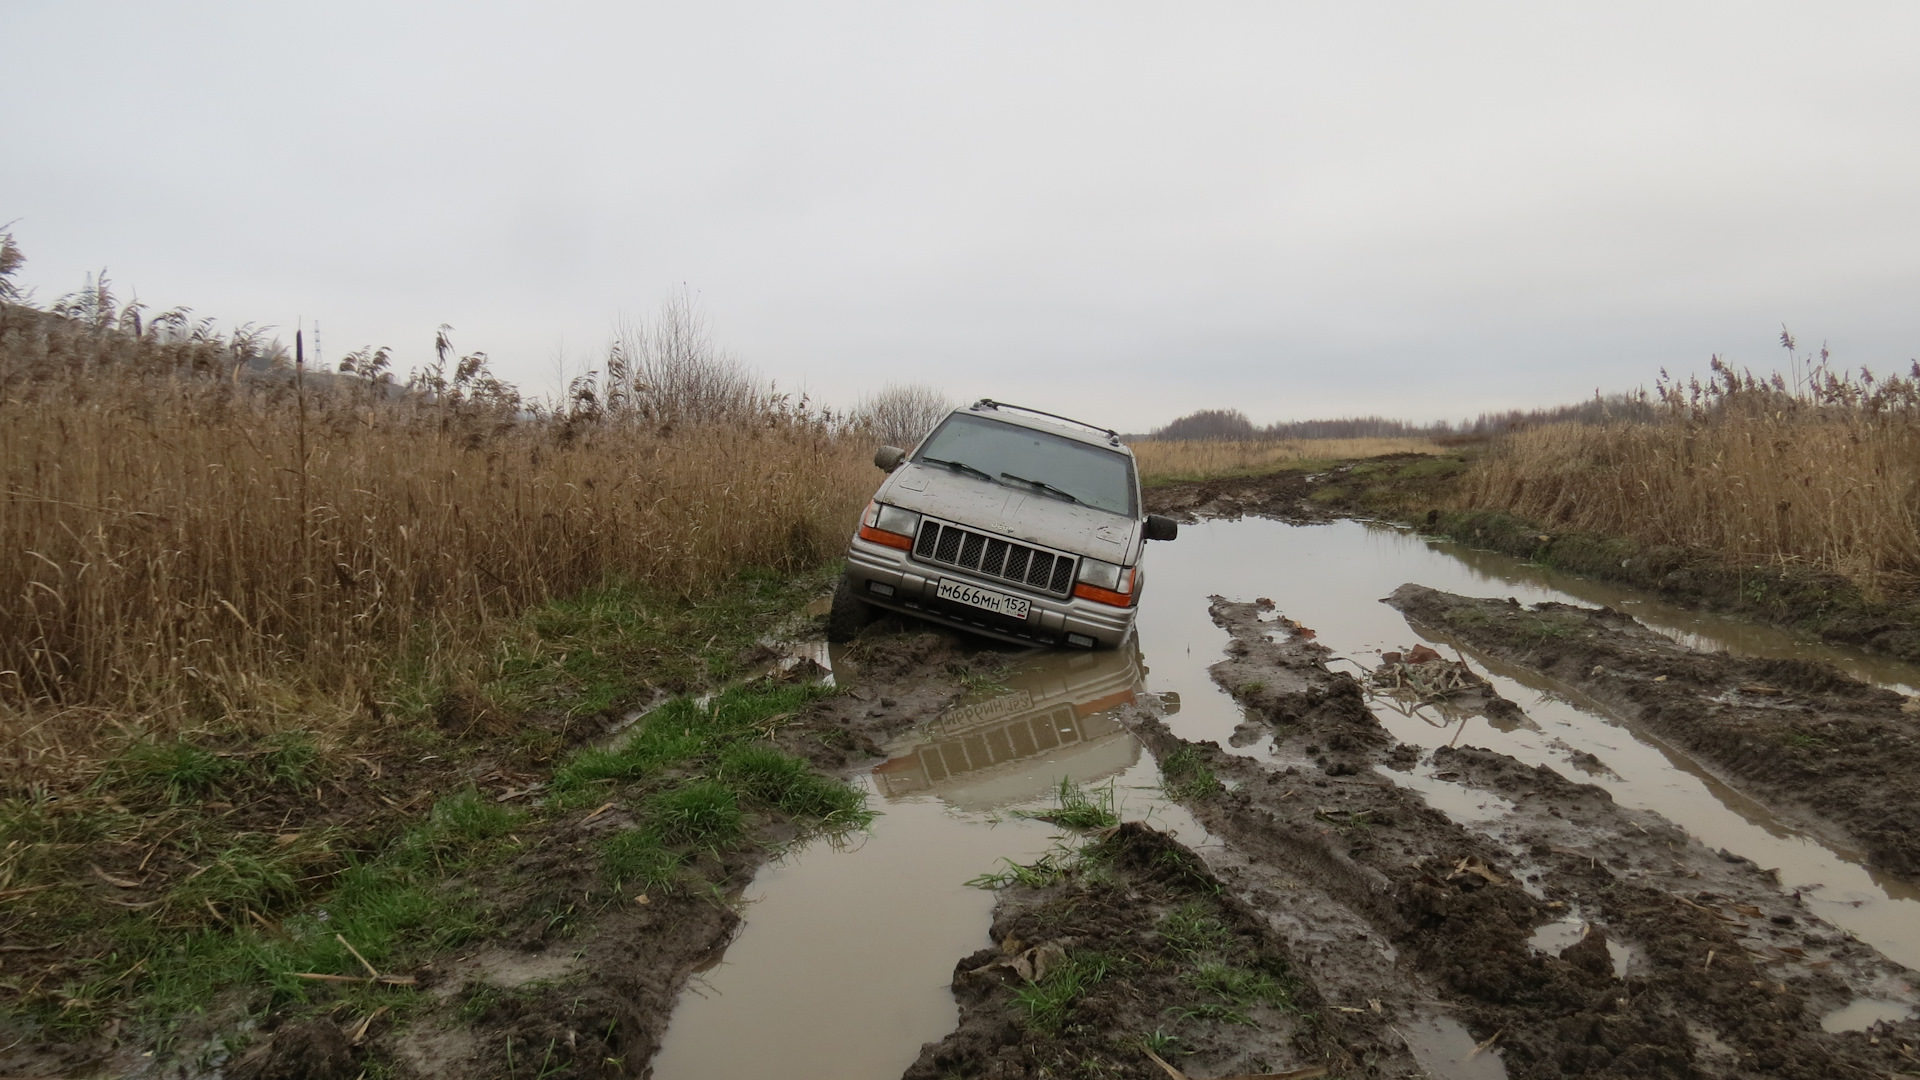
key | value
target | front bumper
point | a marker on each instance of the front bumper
(914, 587)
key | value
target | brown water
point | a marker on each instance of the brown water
(842, 967)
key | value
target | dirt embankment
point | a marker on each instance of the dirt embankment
(1654, 956)
(1827, 749)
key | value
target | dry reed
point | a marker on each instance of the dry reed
(1819, 469)
(1197, 459)
(174, 558)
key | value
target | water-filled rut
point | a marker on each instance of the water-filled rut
(1553, 817)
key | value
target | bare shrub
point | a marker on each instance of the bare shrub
(11, 260)
(667, 370)
(901, 414)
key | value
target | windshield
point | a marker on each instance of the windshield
(1048, 465)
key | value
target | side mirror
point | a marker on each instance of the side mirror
(1161, 528)
(888, 458)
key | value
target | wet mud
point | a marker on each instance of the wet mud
(1827, 750)
(1580, 938)
(1448, 857)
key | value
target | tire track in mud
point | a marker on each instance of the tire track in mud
(1835, 753)
(1725, 975)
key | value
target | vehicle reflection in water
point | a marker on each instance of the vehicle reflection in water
(1052, 721)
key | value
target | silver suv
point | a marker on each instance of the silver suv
(1008, 522)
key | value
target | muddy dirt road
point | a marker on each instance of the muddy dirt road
(1371, 847)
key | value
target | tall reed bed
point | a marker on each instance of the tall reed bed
(1202, 458)
(192, 534)
(1820, 469)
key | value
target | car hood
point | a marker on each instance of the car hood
(1012, 512)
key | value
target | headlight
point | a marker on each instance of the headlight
(889, 525)
(1104, 575)
(895, 520)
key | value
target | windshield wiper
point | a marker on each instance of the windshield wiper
(1043, 486)
(960, 466)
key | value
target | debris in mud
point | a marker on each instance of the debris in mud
(1420, 679)
(1836, 753)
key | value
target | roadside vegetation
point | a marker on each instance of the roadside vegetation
(301, 671)
(1820, 470)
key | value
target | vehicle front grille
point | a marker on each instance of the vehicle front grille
(992, 557)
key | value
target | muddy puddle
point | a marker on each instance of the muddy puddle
(842, 968)
(844, 964)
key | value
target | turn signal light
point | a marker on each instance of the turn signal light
(882, 536)
(1116, 598)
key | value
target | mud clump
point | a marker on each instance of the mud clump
(1394, 485)
(1831, 751)
(1132, 945)
(312, 1050)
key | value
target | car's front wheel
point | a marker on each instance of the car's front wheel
(848, 614)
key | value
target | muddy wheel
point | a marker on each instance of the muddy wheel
(849, 613)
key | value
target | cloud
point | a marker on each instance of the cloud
(1129, 210)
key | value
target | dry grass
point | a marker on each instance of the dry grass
(193, 538)
(1821, 470)
(1163, 461)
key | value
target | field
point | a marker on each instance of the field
(1174, 461)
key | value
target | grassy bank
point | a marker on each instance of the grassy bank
(205, 877)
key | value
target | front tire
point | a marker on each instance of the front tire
(849, 613)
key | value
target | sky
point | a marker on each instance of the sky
(1121, 211)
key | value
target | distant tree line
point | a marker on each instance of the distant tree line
(1209, 424)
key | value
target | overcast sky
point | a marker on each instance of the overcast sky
(1125, 211)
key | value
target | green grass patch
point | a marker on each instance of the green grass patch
(637, 857)
(1047, 1004)
(1076, 809)
(591, 652)
(1237, 986)
(1184, 774)
(1048, 869)
(703, 814)
(394, 907)
(1191, 930)
(764, 774)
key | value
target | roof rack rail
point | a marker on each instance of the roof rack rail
(988, 403)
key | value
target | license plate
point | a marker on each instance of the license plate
(1013, 607)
